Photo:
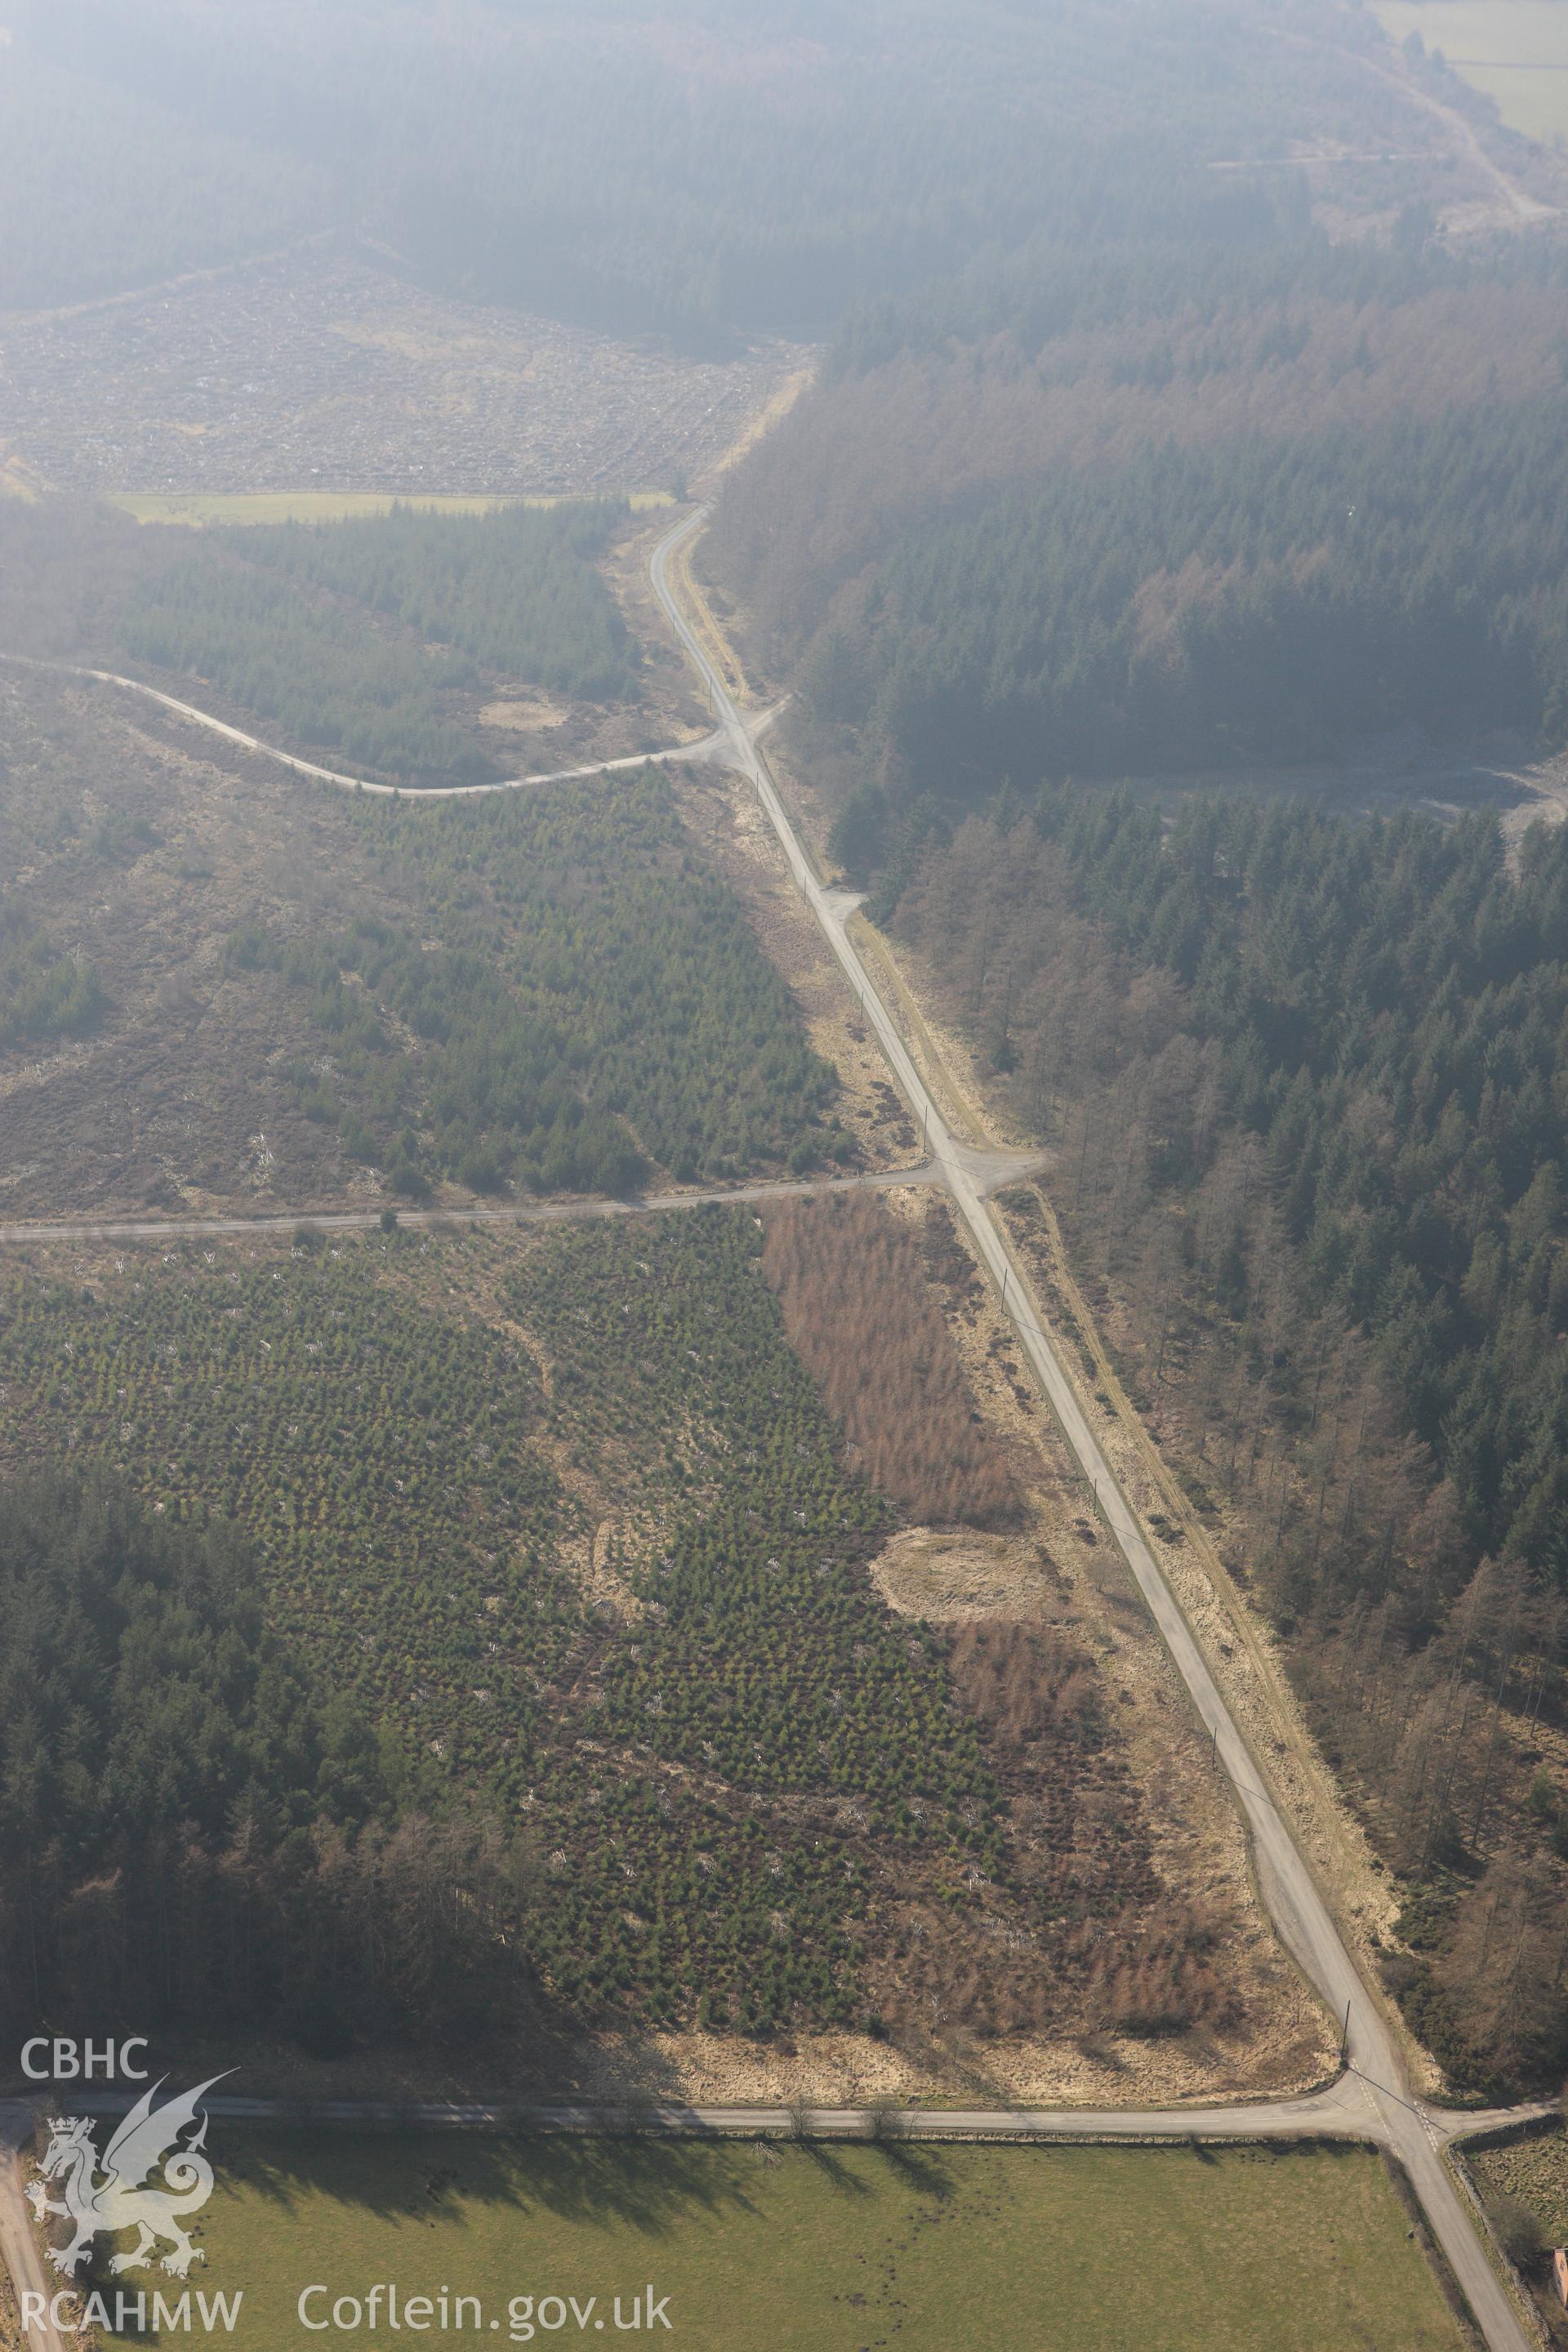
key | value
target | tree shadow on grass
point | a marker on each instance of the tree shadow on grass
(919, 2168)
(650, 2186)
(647, 2185)
(828, 2162)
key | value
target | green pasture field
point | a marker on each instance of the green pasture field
(1515, 51)
(822, 2249)
(198, 507)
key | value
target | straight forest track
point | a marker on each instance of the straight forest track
(1289, 1889)
(702, 748)
(1337, 2112)
(526, 1212)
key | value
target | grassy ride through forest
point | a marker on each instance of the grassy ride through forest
(957, 2249)
(565, 1515)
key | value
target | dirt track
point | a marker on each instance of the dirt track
(527, 1213)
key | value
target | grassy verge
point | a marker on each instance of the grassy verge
(944, 2250)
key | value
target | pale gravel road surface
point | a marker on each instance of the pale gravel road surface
(702, 748)
(1340, 2111)
(519, 1213)
(19, 2246)
(1301, 1917)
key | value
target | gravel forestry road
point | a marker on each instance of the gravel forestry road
(1301, 1917)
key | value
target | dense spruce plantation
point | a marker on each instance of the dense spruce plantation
(1382, 1006)
(580, 1000)
(325, 676)
(377, 1453)
(352, 636)
(42, 993)
(1191, 285)
(1196, 608)
(694, 171)
(193, 1825)
(1309, 1077)
(109, 187)
(1202, 506)
(514, 589)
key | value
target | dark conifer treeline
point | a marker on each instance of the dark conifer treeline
(695, 171)
(42, 993)
(191, 1833)
(515, 589)
(322, 676)
(1203, 269)
(103, 187)
(1203, 606)
(1205, 505)
(1382, 1006)
(1309, 1078)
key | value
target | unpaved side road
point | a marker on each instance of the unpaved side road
(700, 750)
(1518, 205)
(523, 1212)
(1301, 1915)
(19, 2246)
(1340, 2111)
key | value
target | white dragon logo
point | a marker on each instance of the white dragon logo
(146, 2142)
